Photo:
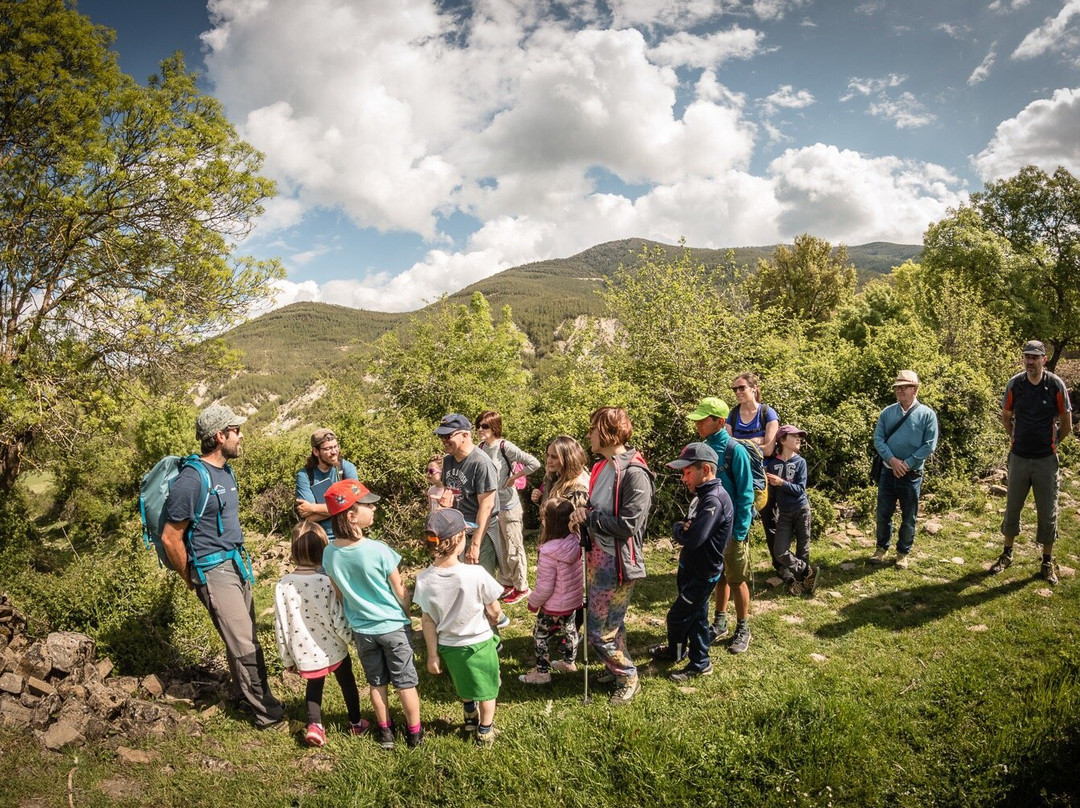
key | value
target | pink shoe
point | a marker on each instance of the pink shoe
(315, 735)
(360, 727)
(517, 595)
(507, 592)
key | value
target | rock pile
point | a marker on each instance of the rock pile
(56, 688)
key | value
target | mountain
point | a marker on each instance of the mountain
(286, 351)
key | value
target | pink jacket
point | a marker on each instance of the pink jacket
(559, 589)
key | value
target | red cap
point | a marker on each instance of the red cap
(343, 494)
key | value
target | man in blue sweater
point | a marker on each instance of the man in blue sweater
(905, 436)
(736, 476)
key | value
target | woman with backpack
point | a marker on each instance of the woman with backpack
(513, 465)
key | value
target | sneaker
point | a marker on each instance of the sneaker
(902, 562)
(809, 583)
(878, 556)
(414, 739)
(507, 592)
(535, 677)
(315, 735)
(385, 736)
(360, 727)
(1049, 572)
(662, 653)
(1002, 564)
(504, 621)
(517, 595)
(719, 629)
(795, 588)
(472, 720)
(625, 691)
(741, 640)
(485, 740)
(688, 673)
(604, 677)
(564, 666)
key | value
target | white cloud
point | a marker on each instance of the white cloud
(1012, 5)
(787, 97)
(954, 30)
(980, 73)
(1042, 134)
(688, 50)
(846, 197)
(1055, 34)
(865, 87)
(685, 14)
(905, 111)
(870, 7)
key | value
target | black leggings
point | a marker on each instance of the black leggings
(346, 681)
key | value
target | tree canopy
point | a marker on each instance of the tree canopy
(1017, 243)
(808, 280)
(120, 205)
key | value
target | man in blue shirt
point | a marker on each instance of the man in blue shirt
(905, 436)
(737, 478)
(324, 467)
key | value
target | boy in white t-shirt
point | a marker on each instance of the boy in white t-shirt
(460, 604)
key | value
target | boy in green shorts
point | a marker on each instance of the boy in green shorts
(460, 604)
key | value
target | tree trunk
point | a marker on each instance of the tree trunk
(11, 454)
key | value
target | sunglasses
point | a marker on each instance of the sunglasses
(483, 426)
(433, 471)
(739, 388)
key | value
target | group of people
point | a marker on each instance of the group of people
(346, 586)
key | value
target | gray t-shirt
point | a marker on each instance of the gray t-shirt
(468, 479)
(184, 497)
(504, 454)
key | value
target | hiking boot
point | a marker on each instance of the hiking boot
(662, 653)
(688, 673)
(564, 665)
(809, 583)
(741, 640)
(719, 628)
(485, 740)
(1002, 564)
(902, 562)
(274, 726)
(414, 739)
(1049, 572)
(384, 736)
(472, 719)
(360, 727)
(315, 735)
(604, 677)
(795, 588)
(517, 595)
(878, 557)
(535, 677)
(625, 691)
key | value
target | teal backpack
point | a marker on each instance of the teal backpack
(154, 494)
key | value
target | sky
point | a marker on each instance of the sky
(419, 147)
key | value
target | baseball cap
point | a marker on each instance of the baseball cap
(451, 423)
(343, 494)
(216, 418)
(709, 406)
(905, 377)
(321, 436)
(445, 522)
(694, 453)
(1034, 347)
(789, 429)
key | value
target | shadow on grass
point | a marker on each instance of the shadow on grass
(902, 609)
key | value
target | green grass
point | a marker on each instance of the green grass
(935, 686)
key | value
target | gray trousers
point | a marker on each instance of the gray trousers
(491, 547)
(227, 597)
(1039, 474)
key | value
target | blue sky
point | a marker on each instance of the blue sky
(419, 147)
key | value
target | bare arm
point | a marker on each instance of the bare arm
(1064, 426)
(431, 640)
(403, 595)
(1007, 420)
(307, 510)
(768, 443)
(172, 539)
(493, 611)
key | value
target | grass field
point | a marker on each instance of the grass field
(938, 685)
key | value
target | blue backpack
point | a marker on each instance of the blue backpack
(153, 495)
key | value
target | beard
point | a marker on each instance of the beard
(230, 452)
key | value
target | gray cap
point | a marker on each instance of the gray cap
(1034, 347)
(444, 523)
(216, 418)
(694, 453)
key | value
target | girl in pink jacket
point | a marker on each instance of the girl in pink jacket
(557, 594)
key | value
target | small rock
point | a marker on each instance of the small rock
(834, 594)
(152, 685)
(664, 545)
(774, 581)
(956, 560)
(69, 650)
(104, 668)
(933, 527)
(1046, 592)
(137, 756)
(847, 565)
(998, 491)
(211, 711)
(819, 658)
(979, 627)
(39, 687)
(974, 534)
(11, 683)
(61, 734)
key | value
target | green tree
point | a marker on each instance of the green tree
(809, 280)
(119, 207)
(1017, 244)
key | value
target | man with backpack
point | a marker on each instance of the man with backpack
(324, 467)
(204, 543)
(737, 477)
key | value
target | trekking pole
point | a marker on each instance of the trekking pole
(586, 544)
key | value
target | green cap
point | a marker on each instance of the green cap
(709, 406)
